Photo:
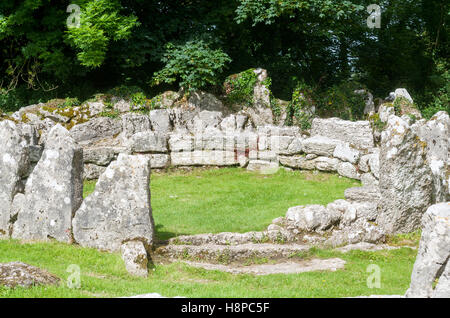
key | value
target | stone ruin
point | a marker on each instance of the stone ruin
(404, 174)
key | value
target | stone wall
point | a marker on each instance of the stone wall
(42, 165)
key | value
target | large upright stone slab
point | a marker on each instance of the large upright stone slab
(436, 134)
(119, 209)
(405, 178)
(53, 192)
(13, 164)
(433, 259)
(357, 133)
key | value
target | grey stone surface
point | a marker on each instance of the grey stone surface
(331, 264)
(134, 255)
(119, 208)
(405, 179)
(436, 134)
(14, 164)
(263, 166)
(92, 171)
(53, 192)
(18, 274)
(133, 123)
(181, 142)
(346, 169)
(100, 156)
(147, 142)
(320, 145)
(160, 120)
(363, 194)
(313, 217)
(344, 152)
(204, 158)
(357, 133)
(434, 254)
(95, 129)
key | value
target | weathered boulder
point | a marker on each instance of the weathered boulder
(263, 166)
(160, 120)
(313, 217)
(147, 141)
(432, 262)
(363, 194)
(100, 156)
(205, 101)
(204, 158)
(53, 192)
(357, 133)
(320, 145)
(385, 111)
(159, 161)
(135, 123)
(206, 120)
(14, 163)
(95, 129)
(326, 164)
(134, 254)
(346, 169)
(402, 92)
(405, 178)
(181, 142)
(344, 152)
(17, 274)
(259, 116)
(436, 134)
(119, 208)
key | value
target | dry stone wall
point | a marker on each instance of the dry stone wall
(42, 165)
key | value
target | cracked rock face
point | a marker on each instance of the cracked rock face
(17, 274)
(13, 165)
(405, 179)
(53, 192)
(432, 262)
(134, 255)
(119, 208)
(436, 134)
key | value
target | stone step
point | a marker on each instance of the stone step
(224, 238)
(230, 253)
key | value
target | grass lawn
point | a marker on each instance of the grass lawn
(104, 275)
(233, 199)
(214, 201)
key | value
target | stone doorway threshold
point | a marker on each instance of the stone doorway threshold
(332, 264)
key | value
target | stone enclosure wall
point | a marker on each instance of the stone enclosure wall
(43, 164)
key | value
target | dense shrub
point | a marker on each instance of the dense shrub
(194, 64)
(238, 88)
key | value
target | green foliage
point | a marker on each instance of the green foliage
(441, 101)
(194, 64)
(341, 101)
(301, 107)
(100, 23)
(238, 88)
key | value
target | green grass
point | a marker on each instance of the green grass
(214, 201)
(104, 275)
(233, 199)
